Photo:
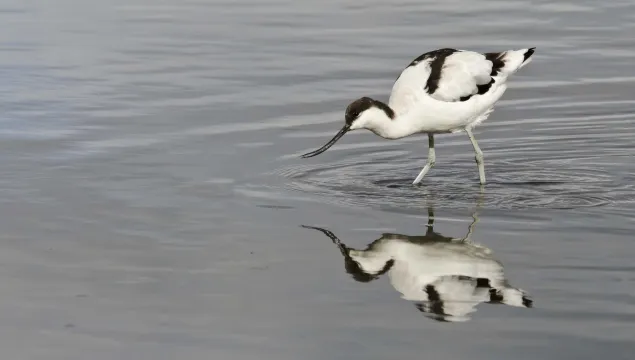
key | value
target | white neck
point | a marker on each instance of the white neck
(377, 121)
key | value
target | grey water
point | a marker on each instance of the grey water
(153, 199)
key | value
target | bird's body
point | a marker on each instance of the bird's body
(446, 90)
(441, 91)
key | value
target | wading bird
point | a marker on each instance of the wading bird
(441, 91)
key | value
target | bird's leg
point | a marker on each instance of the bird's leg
(479, 156)
(431, 160)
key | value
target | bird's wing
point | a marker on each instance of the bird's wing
(446, 75)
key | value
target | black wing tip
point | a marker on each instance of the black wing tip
(529, 53)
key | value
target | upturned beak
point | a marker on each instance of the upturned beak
(337, 136)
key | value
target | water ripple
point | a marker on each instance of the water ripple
(530, 163)
(386, 183)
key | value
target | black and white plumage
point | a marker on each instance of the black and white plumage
(446, 278)
(441, 91)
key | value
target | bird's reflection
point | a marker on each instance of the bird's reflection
(445, 277)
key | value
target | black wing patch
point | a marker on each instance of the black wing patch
(436, 54)
(497, 64)
(497, 61)
(432, 54)
(436, 65)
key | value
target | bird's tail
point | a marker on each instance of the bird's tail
(508, 62)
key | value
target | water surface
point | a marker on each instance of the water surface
(153, 195)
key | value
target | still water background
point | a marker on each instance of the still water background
(152, 194)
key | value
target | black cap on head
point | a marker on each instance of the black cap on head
(362, 104)
(354, 109)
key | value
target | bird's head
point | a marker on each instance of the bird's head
(363, 113)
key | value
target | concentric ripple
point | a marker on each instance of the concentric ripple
(384, 180)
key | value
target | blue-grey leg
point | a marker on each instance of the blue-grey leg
(479, 156)
(431, 160)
